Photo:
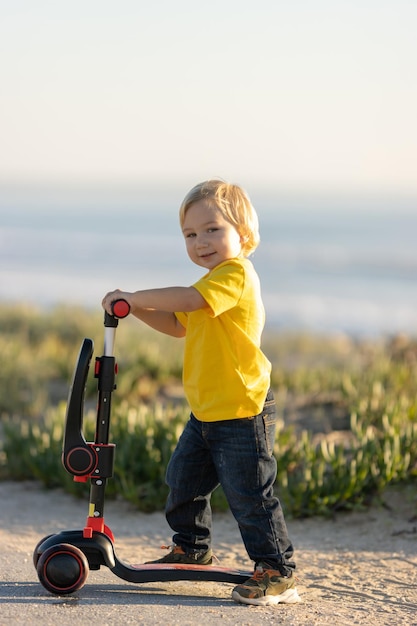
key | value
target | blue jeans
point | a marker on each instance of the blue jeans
(238, 455)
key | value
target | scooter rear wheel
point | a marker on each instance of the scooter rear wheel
(62, 569)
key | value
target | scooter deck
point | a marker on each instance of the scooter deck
(100, 551)
(163, 572)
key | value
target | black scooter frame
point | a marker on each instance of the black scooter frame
(63, 560)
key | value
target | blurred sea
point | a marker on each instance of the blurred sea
(328, 265)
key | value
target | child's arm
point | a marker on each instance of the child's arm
(156, 307)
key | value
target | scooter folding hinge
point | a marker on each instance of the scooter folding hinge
(105, 460)
(91, 460)
(96, 524)
(93, 524)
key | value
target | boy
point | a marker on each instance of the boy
(230, 435)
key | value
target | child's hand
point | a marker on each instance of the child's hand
(112, 296)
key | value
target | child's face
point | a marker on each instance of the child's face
(209, 237)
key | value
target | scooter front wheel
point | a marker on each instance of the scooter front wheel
(36, 553)
(62, 569)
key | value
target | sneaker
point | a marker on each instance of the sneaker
(178, 555)
(267, 587)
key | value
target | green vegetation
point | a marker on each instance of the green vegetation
(347, 410)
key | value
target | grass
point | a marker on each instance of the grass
(347, 410)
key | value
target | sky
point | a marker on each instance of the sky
(297, 94)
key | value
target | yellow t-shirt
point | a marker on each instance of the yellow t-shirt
(226, 375)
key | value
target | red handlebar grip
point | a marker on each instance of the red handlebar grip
(120, 308)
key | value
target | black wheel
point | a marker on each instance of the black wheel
(36, 554)
(62, 569)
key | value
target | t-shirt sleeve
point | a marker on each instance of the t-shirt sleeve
(182, 318)
(222, 287)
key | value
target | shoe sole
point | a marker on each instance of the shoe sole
(290, 596)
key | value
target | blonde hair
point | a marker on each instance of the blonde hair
(234, 204)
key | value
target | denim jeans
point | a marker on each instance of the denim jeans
(238, 455)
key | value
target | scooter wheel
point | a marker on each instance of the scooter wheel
(36, 553)
(62, 569)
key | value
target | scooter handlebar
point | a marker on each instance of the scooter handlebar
(120, 308)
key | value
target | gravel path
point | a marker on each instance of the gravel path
(360, 568)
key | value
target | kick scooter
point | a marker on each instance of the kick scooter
(63, 560)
